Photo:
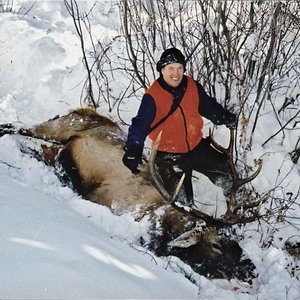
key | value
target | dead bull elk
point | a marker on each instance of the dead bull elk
(90, 148)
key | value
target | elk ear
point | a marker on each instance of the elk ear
(189, 238)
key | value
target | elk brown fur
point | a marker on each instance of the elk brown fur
(90, 149)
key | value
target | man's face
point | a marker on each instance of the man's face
(173, 74)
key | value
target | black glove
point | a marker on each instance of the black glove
(230, 120)
(132, 157)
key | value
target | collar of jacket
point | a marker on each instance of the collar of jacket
(174, 91)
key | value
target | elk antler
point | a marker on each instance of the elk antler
(157, 181)
(237, 181)
(231, 216)
(156, 177)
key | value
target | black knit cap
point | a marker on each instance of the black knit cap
(170, 56)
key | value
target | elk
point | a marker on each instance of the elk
(89, 147)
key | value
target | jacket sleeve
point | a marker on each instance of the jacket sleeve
(210, 108)
(140, 125)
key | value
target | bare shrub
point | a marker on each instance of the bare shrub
(245, 53)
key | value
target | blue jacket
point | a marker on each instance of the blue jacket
(140, 127)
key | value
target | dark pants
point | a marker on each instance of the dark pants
(204, 159)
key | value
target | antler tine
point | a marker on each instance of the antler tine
(178, 187)
(243, 181)
(217, 145)
(228, 152)
(229, 156)
(257, 203)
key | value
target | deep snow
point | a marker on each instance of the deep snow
(55, 244)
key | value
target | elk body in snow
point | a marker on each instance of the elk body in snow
(90, 148)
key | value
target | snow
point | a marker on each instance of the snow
(50, 251)
(54, 244)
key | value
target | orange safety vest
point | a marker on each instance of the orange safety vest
(182, 130)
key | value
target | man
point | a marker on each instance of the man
(174, 105)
